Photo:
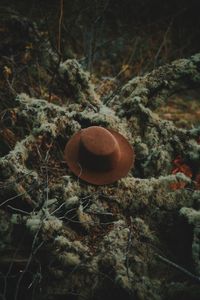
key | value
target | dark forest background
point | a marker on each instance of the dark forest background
(110, 37)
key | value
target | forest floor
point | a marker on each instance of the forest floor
(60, 237)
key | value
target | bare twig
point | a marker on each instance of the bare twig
(60, 26)
(34, 250)
(16, 196)
(58, 49)
(129, 244)
(183, 270)
(163, 42)
(5, 185)
(18, 210)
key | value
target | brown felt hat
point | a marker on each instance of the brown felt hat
(98, 155)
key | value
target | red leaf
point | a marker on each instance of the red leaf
(197, 181)
(180, 167)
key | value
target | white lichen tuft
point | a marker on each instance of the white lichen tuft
(69, 259)
(102, 231)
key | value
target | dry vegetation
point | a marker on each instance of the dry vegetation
(66, 66)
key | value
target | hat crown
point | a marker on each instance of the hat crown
(99, 149)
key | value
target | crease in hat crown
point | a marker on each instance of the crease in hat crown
(98, 155)
(99, 149)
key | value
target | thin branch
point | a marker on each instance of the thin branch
(60, 26)
(58, 49)
(163, 42)
(183, 270)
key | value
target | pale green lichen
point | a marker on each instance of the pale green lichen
(100, 237)
(33, 224)
(84, 218)
(78, 82)
(193, 216)
(69, 259)
(52, 225)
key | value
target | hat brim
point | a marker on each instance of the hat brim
(125, 163)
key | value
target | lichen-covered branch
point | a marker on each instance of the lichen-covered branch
(84, 239)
